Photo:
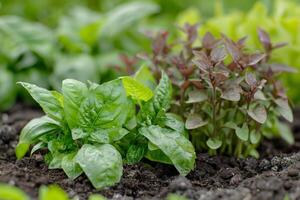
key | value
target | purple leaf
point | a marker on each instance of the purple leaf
(251, 79)
(264, 39)
(208, 41)
(218, 54)
(253, 59)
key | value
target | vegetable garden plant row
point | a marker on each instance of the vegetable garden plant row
(216, 97)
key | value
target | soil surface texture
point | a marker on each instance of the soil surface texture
(275, 176)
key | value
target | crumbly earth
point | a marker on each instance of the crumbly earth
(275, 175)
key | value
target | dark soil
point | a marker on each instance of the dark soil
(275, 176)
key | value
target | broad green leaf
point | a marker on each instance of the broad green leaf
(158, 155)
(136, 90)
(8, 192)
(125, 15)
(135, 153)
(70, 167)
(242, 133)
(214, 143)
(104, 107)
(163, 93)
(174, 145)
(255, 137)
(74, 93)
(258, 113)
(47, 100)
(194, 121)
(108, 135)
(174, 122)
(284, 109)
(144, 75)
(32, 131)
(52, 192)
(102, 164)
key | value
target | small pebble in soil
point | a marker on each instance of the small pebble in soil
(264, 165)
(292, 172)
(227, 173)
(236, 179)
(180, 183)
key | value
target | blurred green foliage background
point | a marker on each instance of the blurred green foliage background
(44, 42)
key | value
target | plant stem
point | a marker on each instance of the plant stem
(214, 111)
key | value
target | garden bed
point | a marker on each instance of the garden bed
(273, 176)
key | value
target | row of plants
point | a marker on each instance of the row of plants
(8, 192)
(282, 22)
(216, 97)
(84, 45)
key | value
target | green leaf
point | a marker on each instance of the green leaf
(144, 75)
(194, 121)
(163, 93)
(74, 93)
(254, 137)
(242, 133)
(52, 192)
(258, 113)
(80, 67)
(196, 96)
(286, 133)
(101, 163)
(214, 143)
(8, 192)
(78, 133)
(232, 93)
(230, 125)
(7, 89)
(47, 100)
(136, 90)
(135, 153)
(158, 155)
(109, 135)
(123, 16)
(70, 167)
(105, 106)
(56, 160)
(284, 109)
(174, 145)
(96, 197)
(32, 131)
(174, 122)
(37, 147)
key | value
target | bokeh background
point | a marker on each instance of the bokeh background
(44, 42)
